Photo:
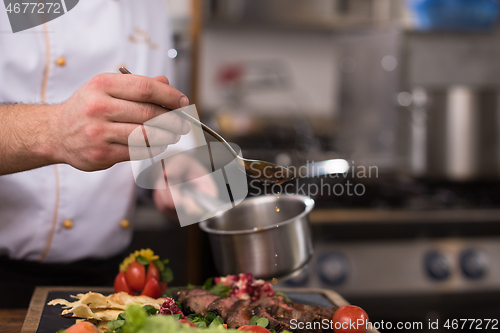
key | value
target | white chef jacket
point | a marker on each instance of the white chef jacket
(58, 213)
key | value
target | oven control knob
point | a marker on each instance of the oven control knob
(473, 263)
(437, 265)
(333, 268)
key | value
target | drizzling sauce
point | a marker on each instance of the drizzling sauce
(268, 172)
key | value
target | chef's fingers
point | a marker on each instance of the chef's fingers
(141, 153)
(115, 153)
(148, 114)
(134, 112)
(141, 136)
(140, 89)
(162, 79)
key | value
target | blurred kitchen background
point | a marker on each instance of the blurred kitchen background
(411, 88)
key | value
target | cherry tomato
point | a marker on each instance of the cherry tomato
(83, 327)
(350, 319)
(136, 275)
(153, 272)
(152, 288)
(163, 287)
(253, 328)
(185, 321)
(121, 284)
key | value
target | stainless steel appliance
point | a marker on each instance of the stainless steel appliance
(432, 252)
(423, 241)
(422, 103)
(268, 236)
(455, 89)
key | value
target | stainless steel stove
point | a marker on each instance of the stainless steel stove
(399, 266)
(402, 263)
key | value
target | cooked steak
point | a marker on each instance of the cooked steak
(280, 308)
(236, 312)
(221, 306)
(278, 324)
(284, 311)
(194, 300)
(323, 312)
(239, 314)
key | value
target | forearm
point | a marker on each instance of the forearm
(94, 128)
(27, 137)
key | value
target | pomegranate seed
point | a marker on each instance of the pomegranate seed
(170, 308)
(244, 286)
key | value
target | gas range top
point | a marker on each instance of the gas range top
(388, 192)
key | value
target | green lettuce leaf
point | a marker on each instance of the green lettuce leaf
(221, 290)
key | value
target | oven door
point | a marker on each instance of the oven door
(405, 266)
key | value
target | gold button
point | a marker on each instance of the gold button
(125, 224)
(61, 61)
(68, 224)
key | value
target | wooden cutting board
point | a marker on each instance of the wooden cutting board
(42, 318)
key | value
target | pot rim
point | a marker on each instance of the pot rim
(309, 205)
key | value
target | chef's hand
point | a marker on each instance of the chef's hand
(182, 168)
(94, 125)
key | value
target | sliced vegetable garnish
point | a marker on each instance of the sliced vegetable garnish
(221, 290)
(146, 253)
(167, 275)
(282, 294)
(259, 321)
(150, 310)
(132, 314)
(209, 320)
(216, 322)
(210, 317)
(208, 283)
(253, 321)
(142, 260)
(262, 322)
(245, 286)
(160, 264)
(138, 269)
(115, 324)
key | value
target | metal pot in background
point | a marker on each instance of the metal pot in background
(454, 133)
(268, 236)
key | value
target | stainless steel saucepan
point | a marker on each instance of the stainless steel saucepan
(268, 236)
